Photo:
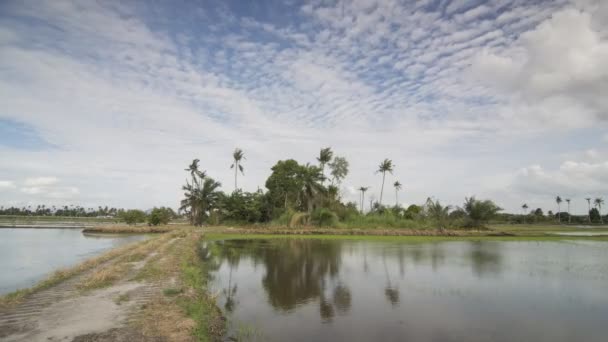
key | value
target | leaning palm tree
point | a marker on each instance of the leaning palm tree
(237, 156)
(524, 209)
(398, 187)
(200, 199)
(384, 167)
(598, 203)
(569, 218)
(363, 189)
(558, 200)
(194, 171)
(324, 157)
(589, 208)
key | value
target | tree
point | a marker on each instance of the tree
(525, 210)
(569, 217)
(284, 184)
(594, 215)
(237, 156)
(200, 197)
(325, 156)
(194, 171)
(339, 170)
(311, 178)
(160, 215)
(598, 204)
(558, 200)
(589, 210)
(437, 212)
(398, 187)
(133, 216)
(385, 166)
(479, 212)
(363, 189)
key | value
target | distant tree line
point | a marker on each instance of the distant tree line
(65, 211)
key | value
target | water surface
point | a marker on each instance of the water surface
(321, 290)
(28, 255)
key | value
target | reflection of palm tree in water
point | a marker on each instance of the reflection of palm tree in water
(230, 294)
(391, 293)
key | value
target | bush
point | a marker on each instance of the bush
(324, 218)
(133, 216)
(159, 216)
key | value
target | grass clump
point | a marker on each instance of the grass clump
(172, 292)
(104, 277)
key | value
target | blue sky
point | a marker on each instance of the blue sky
(106, 102)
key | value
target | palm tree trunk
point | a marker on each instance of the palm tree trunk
(396, 197)
(589, 211)
(382, 188)
(236, 167)
(569, 217)
(559, 213)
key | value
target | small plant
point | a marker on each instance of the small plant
(324, 218)
(122, 298)
(172, 292)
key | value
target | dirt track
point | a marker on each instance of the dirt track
(66, 313)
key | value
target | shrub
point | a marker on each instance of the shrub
(133, 216)
(159, 216)
(324, 218)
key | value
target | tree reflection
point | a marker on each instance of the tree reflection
(297, 271)
(486, 258)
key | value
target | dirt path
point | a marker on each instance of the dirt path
(66, 313)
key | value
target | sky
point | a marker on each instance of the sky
(106, 102)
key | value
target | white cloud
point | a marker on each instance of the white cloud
(372, 79)
(4, 185)
(40, 181)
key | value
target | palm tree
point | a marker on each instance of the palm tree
(525, 208)
(558, 200)
(194, 171)
(237, 156)
(324, 157)
(437, 213)
(589, 210)
(598, 203)
(200, 199)
(569, 218)
(311, 179)
(398, 187)
(384, 167)
(363, 189)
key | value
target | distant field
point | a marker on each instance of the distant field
(537, 228)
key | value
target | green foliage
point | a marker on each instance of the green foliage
(160, 215)
(437, 213)
(245, 207)
(133, 216)
(479, 212)
(339, 169)
(292, 185)
(412, 212)
(594, 214)
(201, 197)
(323, 217)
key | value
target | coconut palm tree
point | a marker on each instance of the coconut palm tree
(385, 166)
(237, 156)
(311, 179)
(363, 189)
(569, 218)
(194, 171)
(437, 212)
(558, 200)
(200, 199)
(589, 208)
(325, 156)
(525, 210)
(398, 187)
(598, 203)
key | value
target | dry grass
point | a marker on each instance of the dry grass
(125, 229)
(165, 319)
(105, 276)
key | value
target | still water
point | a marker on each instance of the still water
(27, 255)
(319, 290)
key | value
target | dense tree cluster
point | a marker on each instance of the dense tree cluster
(301, 194)
(64, 211)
